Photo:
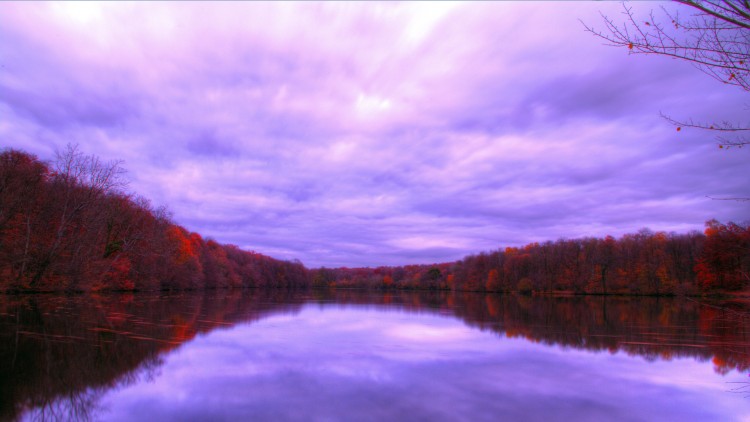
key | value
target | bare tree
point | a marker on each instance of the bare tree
(78, 182)
(715, 38)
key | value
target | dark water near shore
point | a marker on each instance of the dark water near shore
(349, 355)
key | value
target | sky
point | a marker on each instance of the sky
(367, 134)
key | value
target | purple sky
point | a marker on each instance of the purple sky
(351, 134)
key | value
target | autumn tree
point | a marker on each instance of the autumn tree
(493, 281)
(604, 259)
(22, 183)
(70, 225)
(725, 260)
(217, 268)
(183, 259)
(713, 35)
(322, 277)
(78, 182)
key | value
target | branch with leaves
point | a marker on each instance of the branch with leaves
(737, 139)
(715, 38)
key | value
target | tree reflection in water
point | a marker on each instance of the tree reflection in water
(60, 354)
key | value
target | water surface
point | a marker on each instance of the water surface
(279, 355)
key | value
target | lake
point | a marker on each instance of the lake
(352, 355)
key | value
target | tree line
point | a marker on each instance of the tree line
(644, 263)
(72, 226)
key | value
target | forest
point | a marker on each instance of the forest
(644, 263)
(70, 225)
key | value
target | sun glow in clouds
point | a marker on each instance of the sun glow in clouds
(368, 105)
(425, 17)
(78, 13)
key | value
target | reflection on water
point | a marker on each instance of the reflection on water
(284, 355)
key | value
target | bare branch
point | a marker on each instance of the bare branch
(716, 39)
(716, 4)
(739, 141)
(721, 127)
(716, 46)
(729, 199)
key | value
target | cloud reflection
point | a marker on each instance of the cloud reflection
(343, 363)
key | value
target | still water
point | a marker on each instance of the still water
(348, 355)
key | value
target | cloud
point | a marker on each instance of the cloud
(375, 133)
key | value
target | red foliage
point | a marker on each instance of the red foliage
(725, 260)
(74, 230)
(118, 277)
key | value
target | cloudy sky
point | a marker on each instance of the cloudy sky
(352, 134)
